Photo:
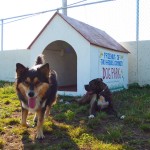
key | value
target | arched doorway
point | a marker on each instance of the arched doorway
(63, 59)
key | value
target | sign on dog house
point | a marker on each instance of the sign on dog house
(79, 53)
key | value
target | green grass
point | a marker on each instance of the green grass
(2, 143)
(145, 127)
(68, 126)
(112, 134)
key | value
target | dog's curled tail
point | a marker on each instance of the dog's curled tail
(39, 60)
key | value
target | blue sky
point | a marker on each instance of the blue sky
(117, 18)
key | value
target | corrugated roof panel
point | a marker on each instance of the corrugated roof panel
(94, 35)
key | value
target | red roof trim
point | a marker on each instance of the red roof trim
(110, 48)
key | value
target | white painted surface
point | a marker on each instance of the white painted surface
(60, 30)
(132, 72)
(8, 60)
(139, 64)
(111, 66)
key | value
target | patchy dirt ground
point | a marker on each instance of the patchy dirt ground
(131, 136)
(72, 130)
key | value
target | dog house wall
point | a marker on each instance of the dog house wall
(111, 66)
(60, 30)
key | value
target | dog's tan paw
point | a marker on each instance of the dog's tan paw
(91, 116)
(40, 135)
(25, 125)
(46, 115)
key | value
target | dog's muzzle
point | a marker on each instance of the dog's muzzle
(31, 99)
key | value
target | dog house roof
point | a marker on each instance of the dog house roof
(94, 35)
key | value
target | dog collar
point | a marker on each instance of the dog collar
(99, 94)
(103, 91)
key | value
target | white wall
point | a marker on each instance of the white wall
(139, 64)
(8, 60)
(114, 75)
(132, 72)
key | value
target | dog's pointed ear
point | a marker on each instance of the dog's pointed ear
(100, 79)
(20, 69)
(45, 69)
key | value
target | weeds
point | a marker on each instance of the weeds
(113, 134)
(69, 115)
(2, 143)
(76, 132)
(19, 131)
(145, 127)
(2, 130)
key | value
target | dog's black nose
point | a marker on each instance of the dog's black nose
(31, 94)
(87, 87)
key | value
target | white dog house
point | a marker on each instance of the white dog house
(79, 53)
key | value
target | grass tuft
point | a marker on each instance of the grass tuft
(132, 120)
(19, 131)
(2, 143)
(12, 121)
(8, 89)
(69, 115)
(112, 134)
(145, 127)
(48, 127)
(76, 132)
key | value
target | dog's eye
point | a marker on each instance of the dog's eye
(26, 83)
(37, 83)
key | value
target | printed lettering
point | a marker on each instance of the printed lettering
(111, 73)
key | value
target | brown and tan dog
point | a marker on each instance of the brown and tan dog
(99, 96)
(36, 89)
